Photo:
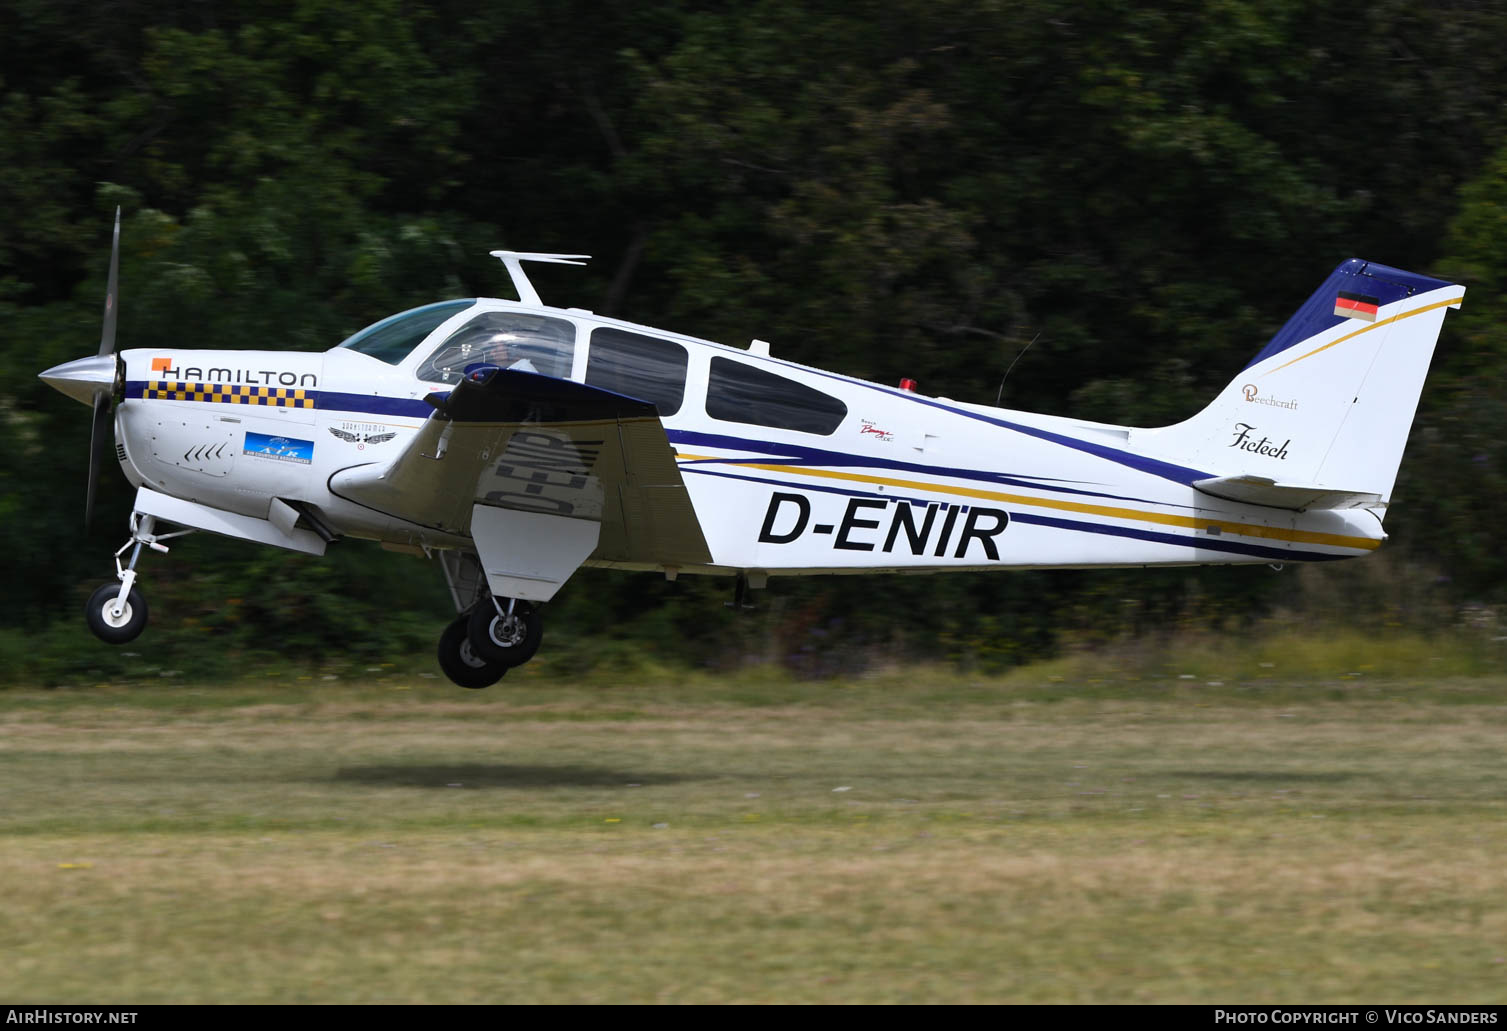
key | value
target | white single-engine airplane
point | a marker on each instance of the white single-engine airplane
(516, 442)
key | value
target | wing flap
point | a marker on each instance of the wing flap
(529, 555)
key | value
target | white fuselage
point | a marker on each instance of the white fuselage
(891, 480)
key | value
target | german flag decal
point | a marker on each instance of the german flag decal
(1356, 306)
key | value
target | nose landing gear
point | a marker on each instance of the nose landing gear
(115, 620)
(117, 613)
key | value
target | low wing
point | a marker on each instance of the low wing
(1302, 497)
(541, 472)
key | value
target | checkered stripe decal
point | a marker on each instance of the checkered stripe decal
(229, 393)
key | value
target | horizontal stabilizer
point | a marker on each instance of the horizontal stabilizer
(1301, 497)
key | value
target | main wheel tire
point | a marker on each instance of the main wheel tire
(461, 663)
(110, 628)
(511, 640)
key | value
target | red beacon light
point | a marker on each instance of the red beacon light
(908, 384)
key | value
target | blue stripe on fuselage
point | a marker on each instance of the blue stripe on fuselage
(795, 454)
(374, 404)
(1202, 544)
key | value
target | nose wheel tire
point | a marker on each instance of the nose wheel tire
(116, 627)
(461, 663)
(510, 639)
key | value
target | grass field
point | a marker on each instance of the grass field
(917, 837)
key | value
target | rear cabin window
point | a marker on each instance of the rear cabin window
(638, 366)
(508, 339)
(744, 393)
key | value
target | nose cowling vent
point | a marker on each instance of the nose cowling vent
(202, 447)
(204, 454)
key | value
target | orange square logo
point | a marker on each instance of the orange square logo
(161, 364)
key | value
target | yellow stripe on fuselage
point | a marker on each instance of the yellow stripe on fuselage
(1334, 540)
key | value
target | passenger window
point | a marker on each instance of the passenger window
(509, 339)
(743, 393)
(638, 366)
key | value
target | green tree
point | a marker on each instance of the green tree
(898, 188)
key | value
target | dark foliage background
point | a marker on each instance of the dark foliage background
(883, 188)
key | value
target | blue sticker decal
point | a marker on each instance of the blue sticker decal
(283, 449)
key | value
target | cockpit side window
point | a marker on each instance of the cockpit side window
(743, 393)
(395, 337)
(510, 339)
(638, 366)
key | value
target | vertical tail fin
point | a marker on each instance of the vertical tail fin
(1329, 401)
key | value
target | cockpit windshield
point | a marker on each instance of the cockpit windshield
(395, 337)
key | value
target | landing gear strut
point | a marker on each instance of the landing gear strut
(117, 612)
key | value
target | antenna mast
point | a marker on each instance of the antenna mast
(514, 261)
(1001, 395)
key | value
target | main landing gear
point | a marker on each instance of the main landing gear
(117, 612)
(481, 645)
(505, 630)
(460, 661)
(491, 634)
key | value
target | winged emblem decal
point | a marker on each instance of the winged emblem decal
(361, 434)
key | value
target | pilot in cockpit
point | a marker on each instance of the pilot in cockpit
(510, 352)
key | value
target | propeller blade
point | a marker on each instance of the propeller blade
(100, 439)
(102, 433)
(112, 296)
